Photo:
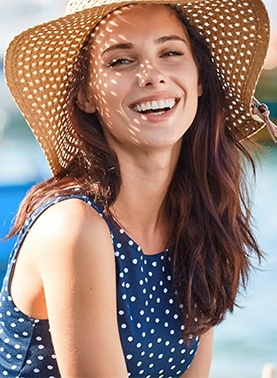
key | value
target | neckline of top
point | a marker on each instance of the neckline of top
(132, 243)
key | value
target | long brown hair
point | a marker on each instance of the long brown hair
(207, 202)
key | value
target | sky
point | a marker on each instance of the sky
(17, 15)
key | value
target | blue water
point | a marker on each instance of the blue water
(248, 339)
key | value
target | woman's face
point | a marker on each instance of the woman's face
(143, 80)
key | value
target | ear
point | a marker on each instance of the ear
(85, 102)
(200, 90)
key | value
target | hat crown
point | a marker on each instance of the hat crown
(79, 5)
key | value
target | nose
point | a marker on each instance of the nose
(150, 76)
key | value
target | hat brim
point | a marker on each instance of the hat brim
(39, 61)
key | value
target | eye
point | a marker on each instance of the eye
(173, 53)
(119, 62)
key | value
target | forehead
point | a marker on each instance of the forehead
(135, 21)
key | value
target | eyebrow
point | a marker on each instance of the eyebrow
(128, 46)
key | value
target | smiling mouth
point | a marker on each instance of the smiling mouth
(155, 107)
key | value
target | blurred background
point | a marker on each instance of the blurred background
(247, 339)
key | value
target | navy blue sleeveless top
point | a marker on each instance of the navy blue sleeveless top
(151, 330)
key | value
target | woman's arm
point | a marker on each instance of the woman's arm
(73, 253)
(201, 363)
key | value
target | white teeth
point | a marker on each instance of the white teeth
(154, 105)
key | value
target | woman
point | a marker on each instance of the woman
(142, 124)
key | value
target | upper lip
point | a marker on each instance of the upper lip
(154, 103)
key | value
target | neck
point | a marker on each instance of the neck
(139, 208)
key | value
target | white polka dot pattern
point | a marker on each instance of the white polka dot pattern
(149, 324)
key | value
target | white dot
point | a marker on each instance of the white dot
(160, 356)
(129, 356)
(133, 299)
(50, 367)
(130, 338)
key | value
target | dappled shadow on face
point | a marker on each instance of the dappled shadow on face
(130, 75)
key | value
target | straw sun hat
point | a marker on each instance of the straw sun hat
(39, 62)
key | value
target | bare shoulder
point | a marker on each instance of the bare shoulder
(72, 215)
(68, 227)
(70, 218)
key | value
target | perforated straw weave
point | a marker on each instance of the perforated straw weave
(39, 61)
